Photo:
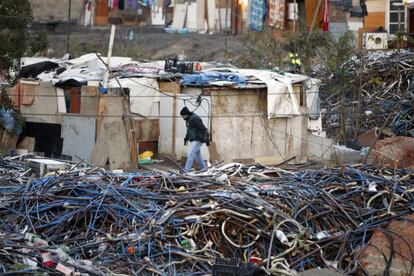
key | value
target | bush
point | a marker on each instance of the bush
(15, 17)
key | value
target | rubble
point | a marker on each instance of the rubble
(385, 82)
(396, 152)
(393, 243)
(251, 219)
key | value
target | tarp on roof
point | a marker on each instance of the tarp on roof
(33, 70)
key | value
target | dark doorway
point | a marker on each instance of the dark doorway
(47, 136)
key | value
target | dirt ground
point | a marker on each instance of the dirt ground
(146, 43)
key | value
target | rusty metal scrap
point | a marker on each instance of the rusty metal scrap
(272, 221)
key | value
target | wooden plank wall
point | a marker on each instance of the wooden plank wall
(374, 20)
(310, 7)
(101, 12)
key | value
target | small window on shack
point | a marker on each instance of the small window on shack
(299, 91)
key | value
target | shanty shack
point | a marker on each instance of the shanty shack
(253, 115)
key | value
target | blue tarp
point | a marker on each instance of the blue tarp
(7, 120)
(205, 78)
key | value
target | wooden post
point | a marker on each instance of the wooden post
(133, 148)
(108, 61)
(174, 125)
(68, 34)
(315, 16)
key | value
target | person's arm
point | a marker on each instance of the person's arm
(198, 123)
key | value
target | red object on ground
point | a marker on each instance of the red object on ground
(325, 21)
(48, 264)
(131, 250)
(255, 260)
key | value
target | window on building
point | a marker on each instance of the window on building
(396, 17)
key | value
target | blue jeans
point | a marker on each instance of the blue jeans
(194, 153)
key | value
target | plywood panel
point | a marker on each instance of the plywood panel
(191, 21)
(375, 20)
(117, 143)
(243, 137)
(89, 101)
(147, 130)
(201, 14)
(211, 7)
(45, 106)
(180, 13)
(168, 86)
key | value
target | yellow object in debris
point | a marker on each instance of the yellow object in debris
(49, 174)
(146, 155)
(182, 190)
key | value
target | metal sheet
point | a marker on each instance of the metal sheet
(78, 135)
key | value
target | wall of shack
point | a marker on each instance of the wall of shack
(243, 132)
(55, 11)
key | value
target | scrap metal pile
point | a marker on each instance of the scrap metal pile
(386, 83)
(267, 220)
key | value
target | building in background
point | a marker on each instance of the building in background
(374, 22)
(52, 11)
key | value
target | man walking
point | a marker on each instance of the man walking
(197, 134)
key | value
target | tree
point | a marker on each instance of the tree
(15, 18)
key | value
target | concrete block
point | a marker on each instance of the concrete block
(321, 149)
(347, 156)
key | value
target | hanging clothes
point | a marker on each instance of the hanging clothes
(277, 14)
(325, 21)
(257, 14)
(248, 19)
(133, 5)
(121, 4)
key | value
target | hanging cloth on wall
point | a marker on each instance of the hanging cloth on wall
(325, 22)
(257, 14)
(121, 4)
(133, 5)
(277, 13)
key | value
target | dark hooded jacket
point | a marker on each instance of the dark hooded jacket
(196, 131)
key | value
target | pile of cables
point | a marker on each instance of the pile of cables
(260, 220)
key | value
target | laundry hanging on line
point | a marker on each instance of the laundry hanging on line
(277, 14)
(257, 14)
